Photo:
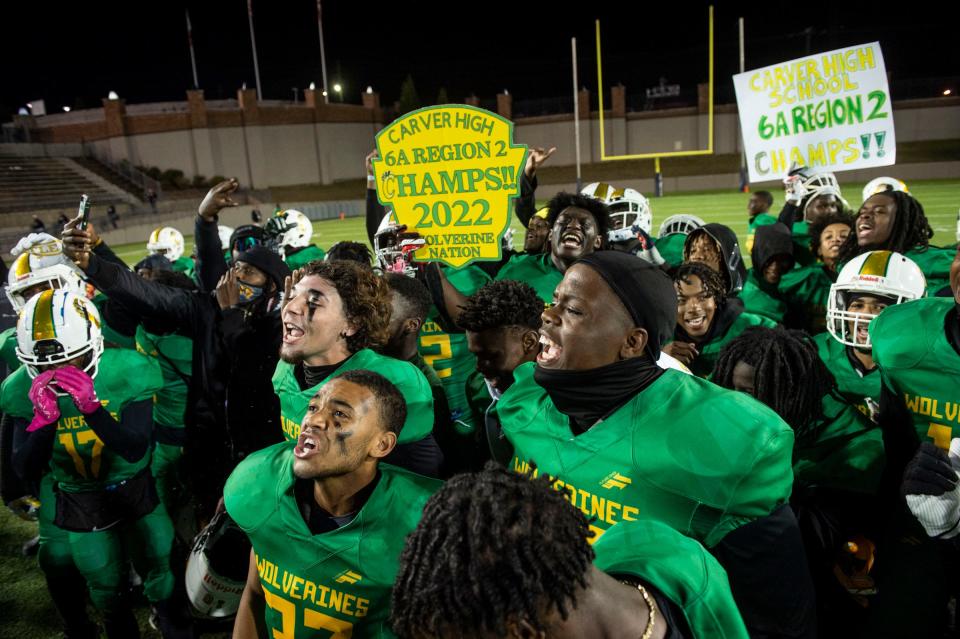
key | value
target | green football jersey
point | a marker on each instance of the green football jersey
(448, 353)
(935, 263)
(679, 567)
(853, 385)
(110, 335)
(184, 265)
(536, 270)
(8, 348)
(709, 352)
(806, 290)
(760, 301)
(404, 375)
(802, 254)
(308, 254)
(842, 451)
(918, 364)
(702, 459)
(670, 248)
(335, 584)
(80, 461)
(760, 219)
(174, 353)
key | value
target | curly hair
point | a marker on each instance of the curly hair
(712, 282)
(491, 546)
(789, 375)
(562, 201)
(365, 298)
(911, 229)
(502, 303)
(817, 228)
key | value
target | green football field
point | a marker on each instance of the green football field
(940, 198)
(25, 609)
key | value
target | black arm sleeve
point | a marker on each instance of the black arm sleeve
(375, 213)
(789, 214)
(769, 577)
(104, 252)
(31, 451)
(130, 437)
(149, 299)
(210, 263)
(526, 205)
(900, 440)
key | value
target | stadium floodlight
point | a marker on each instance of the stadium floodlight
(337, 88)
(947, 92)
(66, 109)
(324, 94)
(369, 90)
(29, 105)
(113, 96)
(313, 86)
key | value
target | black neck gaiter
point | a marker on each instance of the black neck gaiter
(590, 395)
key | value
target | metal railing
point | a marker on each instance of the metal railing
(124, 169)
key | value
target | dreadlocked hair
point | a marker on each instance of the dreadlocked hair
(817, 228)
(789, 375)
(491, 547)
(713, 284)
(911, 229)
(502, 303)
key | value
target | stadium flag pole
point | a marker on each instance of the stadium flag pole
(744, 184)
(253, 45)
(323, 54)
(193, 55)
(576, 110)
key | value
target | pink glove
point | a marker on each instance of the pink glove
(79, 386)
(44, 399)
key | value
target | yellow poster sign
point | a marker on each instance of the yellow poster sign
(449, 173)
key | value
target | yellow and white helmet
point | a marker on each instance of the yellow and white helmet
(166, 241)
(57, 326)
(882, 185)
(628, 206)
(884, 274)
(680, 223)
(40, 264)
(299, 229)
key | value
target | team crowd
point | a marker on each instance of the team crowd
(606, 433)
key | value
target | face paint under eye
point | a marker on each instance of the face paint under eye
(341, 439)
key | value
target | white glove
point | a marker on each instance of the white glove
(795, 191)
(51, 243)
(940, 515)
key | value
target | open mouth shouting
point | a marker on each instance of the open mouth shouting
(307, 445)
(291, 333)
(550, 352)
(572, 239)
(865, 230)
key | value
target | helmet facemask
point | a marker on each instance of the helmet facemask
(851, 327)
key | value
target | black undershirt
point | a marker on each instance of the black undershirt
(318, 520)
(857, 364)
(309, 376)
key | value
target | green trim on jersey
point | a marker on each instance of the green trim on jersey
(170, 403)
(670, 248)
(703, 364)
(851, 384)
(336, 582)
(680, 568)
(8, 348)
(919, 365)
(806, 291)
(702, 459)
(80, 461)
(448, 353)
(760, 219)
(935, 263)
(758, 301)
(404, 375)
(846, 451)
(536, 270)
(302, 257)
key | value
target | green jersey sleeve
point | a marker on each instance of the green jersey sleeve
(14, 394)
(174, 354)
(301, 258)
(671, 248)
(8, 348)
(805, 291)
(536, 270)
(680, 568)
(758, 301)
(703, 364)
(935, 263)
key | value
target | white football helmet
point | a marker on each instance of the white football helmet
(166, 241)
(682, 223)
(224, 232)
(40, 262)
(299, 229)
(882, 184)
(213, 581)
(814, 185)
(884, 274)
(57, 326)
(393, 247)
(628, 207)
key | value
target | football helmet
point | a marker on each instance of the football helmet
(812, 185)
(628, 207)
(885, 274)
(682, 223)
(57, 326)
(214, 578)
(298, 229)
(882, 184)
(166, 241)
(224, 232)
(393, 246)
(40, 262)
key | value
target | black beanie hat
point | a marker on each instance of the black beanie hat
(267, 261)
(155, 262)
(646, 292)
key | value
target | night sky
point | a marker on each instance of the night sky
(74, 54)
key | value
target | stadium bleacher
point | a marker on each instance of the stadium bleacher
(31, 184)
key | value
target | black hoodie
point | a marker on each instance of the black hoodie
(726, 239)
(769, 241)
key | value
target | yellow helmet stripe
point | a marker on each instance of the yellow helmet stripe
(603, 191)
(43, 327)
(542, 213)
(22, 265)
(155, 236)
(876, 264)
